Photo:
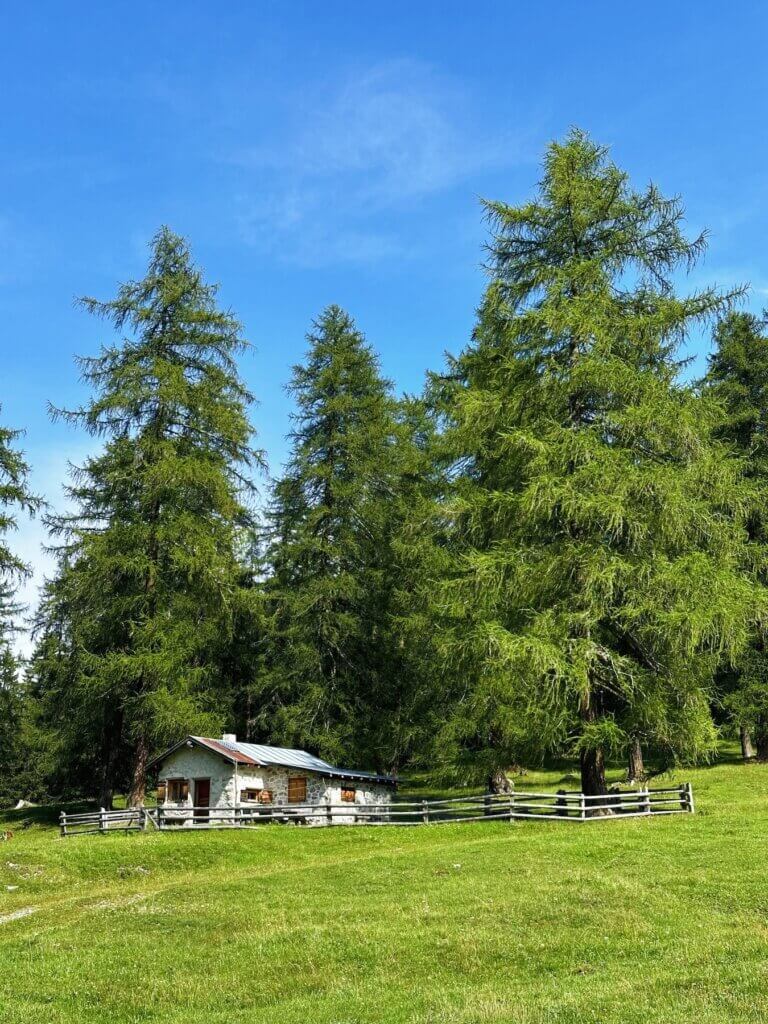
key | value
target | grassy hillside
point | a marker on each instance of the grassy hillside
(617, 921)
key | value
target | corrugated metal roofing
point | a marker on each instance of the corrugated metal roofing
(257, 753)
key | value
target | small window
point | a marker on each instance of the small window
(348, 795)
(297, 790)
(178, 790)
(252, 795)
(161, 792)
(266, 796)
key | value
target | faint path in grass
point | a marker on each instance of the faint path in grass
(17, 914)
(97, 895)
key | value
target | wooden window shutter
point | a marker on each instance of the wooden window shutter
(297, 790)
(348, 795)
(161, 791)
(184, 789)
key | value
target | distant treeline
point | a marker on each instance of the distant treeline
(558, 548)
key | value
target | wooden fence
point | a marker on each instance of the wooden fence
(561, 806)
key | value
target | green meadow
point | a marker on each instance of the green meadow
(610, 921)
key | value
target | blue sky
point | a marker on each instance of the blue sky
(336, 152)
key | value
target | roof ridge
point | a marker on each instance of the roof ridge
(303, 759)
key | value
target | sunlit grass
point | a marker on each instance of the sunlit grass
(616, 921)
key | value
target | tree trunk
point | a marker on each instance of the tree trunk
(593, 773)
(110, 744)
(498, 782)
(761, 743)
(106, 790)
(592, 761)
(635, 768)
(747, 749)
(138, 788)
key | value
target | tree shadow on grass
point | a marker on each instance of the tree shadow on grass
(42, 816)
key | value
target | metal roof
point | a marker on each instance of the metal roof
(258, 754)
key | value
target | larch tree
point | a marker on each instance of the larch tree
(598, 530)
(81, 749)
(150, 548)
(15, 497)
(330, 552)
(737, 379)
(400, 721)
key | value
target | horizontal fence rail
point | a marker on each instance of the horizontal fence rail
(560, 806)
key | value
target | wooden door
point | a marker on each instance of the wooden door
(202, 797)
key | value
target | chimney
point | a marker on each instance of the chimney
(229, 737)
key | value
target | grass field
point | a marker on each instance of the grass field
(614, 921)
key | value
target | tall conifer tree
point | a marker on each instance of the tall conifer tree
(738, 379)
(15, 497)
(149, 553)
(598, 530)
(330, 550)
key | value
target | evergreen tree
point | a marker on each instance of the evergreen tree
(737, 379)
(11, 711)
(243, 653)
(81, 749)
(409, 706)
(330, 549)
(15, 497)
(150, 575)
(597, 529)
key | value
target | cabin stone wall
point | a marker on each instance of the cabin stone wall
(228, 785)
(192, 763)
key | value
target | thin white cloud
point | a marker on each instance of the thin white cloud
(302, 232)
(381, 140)
(406, 130)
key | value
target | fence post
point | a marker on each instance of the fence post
(425, 812)
(63, 823)
(144, 819)
(561, 803)
(512, 806)
(102, 820)
(582, 807)
(328, 812)
(688, 801)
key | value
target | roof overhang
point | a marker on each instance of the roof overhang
(237, 757)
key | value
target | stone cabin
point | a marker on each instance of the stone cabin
(202, 772)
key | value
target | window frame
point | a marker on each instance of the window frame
(345, 796)
(173, 786)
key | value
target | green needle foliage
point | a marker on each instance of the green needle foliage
(330, 551)
(15, 497)
(598, 530)
(738, 379)
(150, 575)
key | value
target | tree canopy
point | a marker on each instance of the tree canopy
(737, 380)
(149, 553)
(557, 549)
(597, 527)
